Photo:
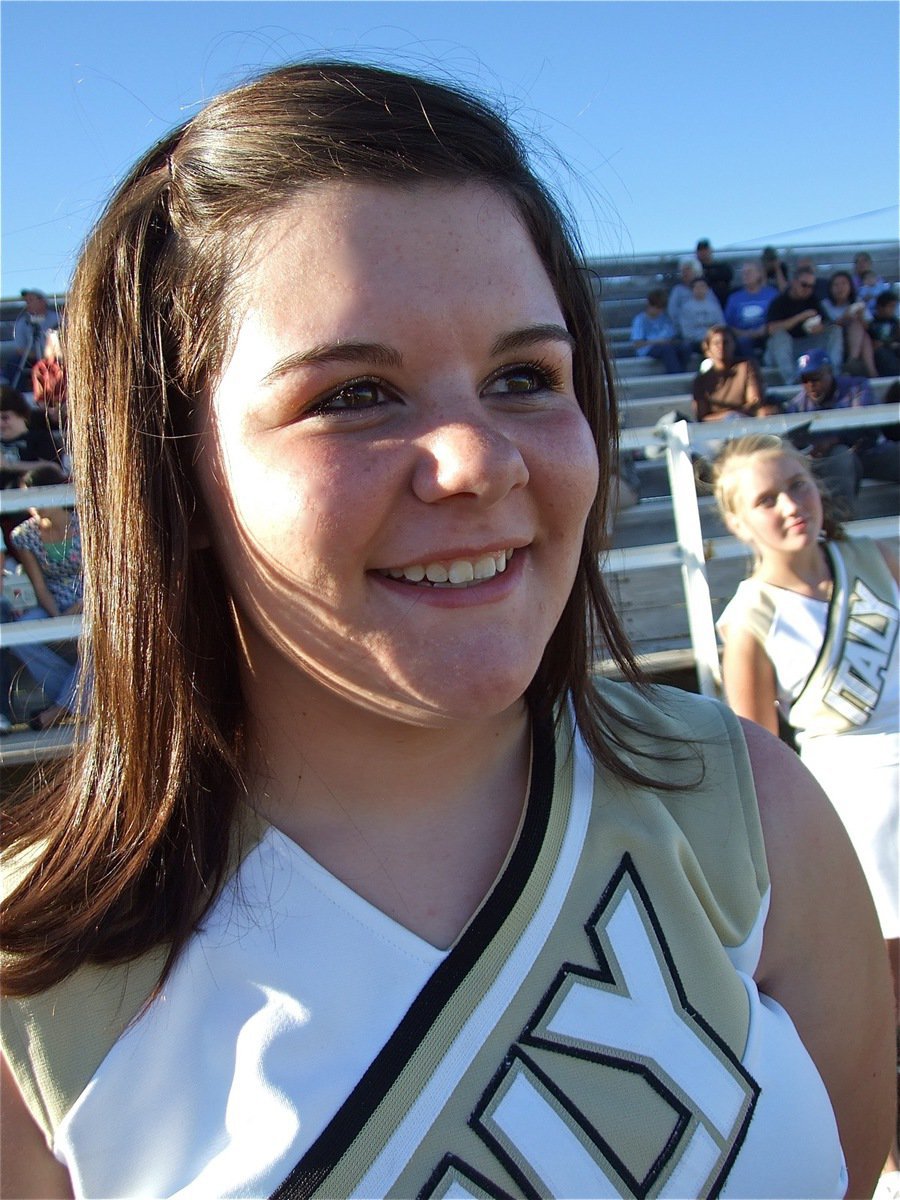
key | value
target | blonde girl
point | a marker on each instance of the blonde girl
(812, 634)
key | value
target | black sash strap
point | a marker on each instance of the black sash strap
(325, 1153)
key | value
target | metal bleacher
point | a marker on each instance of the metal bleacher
(670, 565)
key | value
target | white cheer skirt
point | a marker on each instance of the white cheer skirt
(859, 774)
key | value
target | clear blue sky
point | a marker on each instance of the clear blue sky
(745, 122)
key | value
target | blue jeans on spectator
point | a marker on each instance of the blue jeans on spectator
(672, 355)
(748, 347)
(784, 349)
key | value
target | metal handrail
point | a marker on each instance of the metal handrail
(701, 433)
(57, 495)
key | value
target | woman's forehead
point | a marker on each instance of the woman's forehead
(765, 467)
(340, 212)
(340, 247)
(426, 271)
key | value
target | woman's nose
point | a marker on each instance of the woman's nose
(787, 503)
(468, 458)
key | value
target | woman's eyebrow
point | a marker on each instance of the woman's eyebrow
(375, 353)
(380, 355)
(518, 339)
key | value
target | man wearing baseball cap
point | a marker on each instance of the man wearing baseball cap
(874, 455)
(29, 333)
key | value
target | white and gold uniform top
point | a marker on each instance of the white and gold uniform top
(594, 1032)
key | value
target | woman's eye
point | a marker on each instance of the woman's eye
(523, 380)
(355, 396)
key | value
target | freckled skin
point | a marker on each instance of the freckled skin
(450, 460)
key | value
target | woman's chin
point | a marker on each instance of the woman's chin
(461, 702)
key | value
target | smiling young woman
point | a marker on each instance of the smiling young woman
(359, 883)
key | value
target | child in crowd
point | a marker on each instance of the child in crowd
(871, 286)
(885, 334)
(654, 335)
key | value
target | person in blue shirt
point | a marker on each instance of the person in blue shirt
(654, 335)
(745, 310)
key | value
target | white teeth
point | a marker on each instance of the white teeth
(459, 573)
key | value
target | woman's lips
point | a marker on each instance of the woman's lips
(453, 573)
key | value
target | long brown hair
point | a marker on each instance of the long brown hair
(134, 835)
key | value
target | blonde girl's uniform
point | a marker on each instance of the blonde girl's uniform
(837, 667)
(594, 1031)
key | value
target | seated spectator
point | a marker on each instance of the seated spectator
(689, 269)
(698, 313)
(654, 336)
(885, 334)
(24, 444)
(868, 291)
(843, 308)
(863, 267)
(820, 287)
(873, 455)
(774, 271)
(49, 548)
(745, 310)
(797, 324)
(728, 387)
(717, 274)
(29, 336)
